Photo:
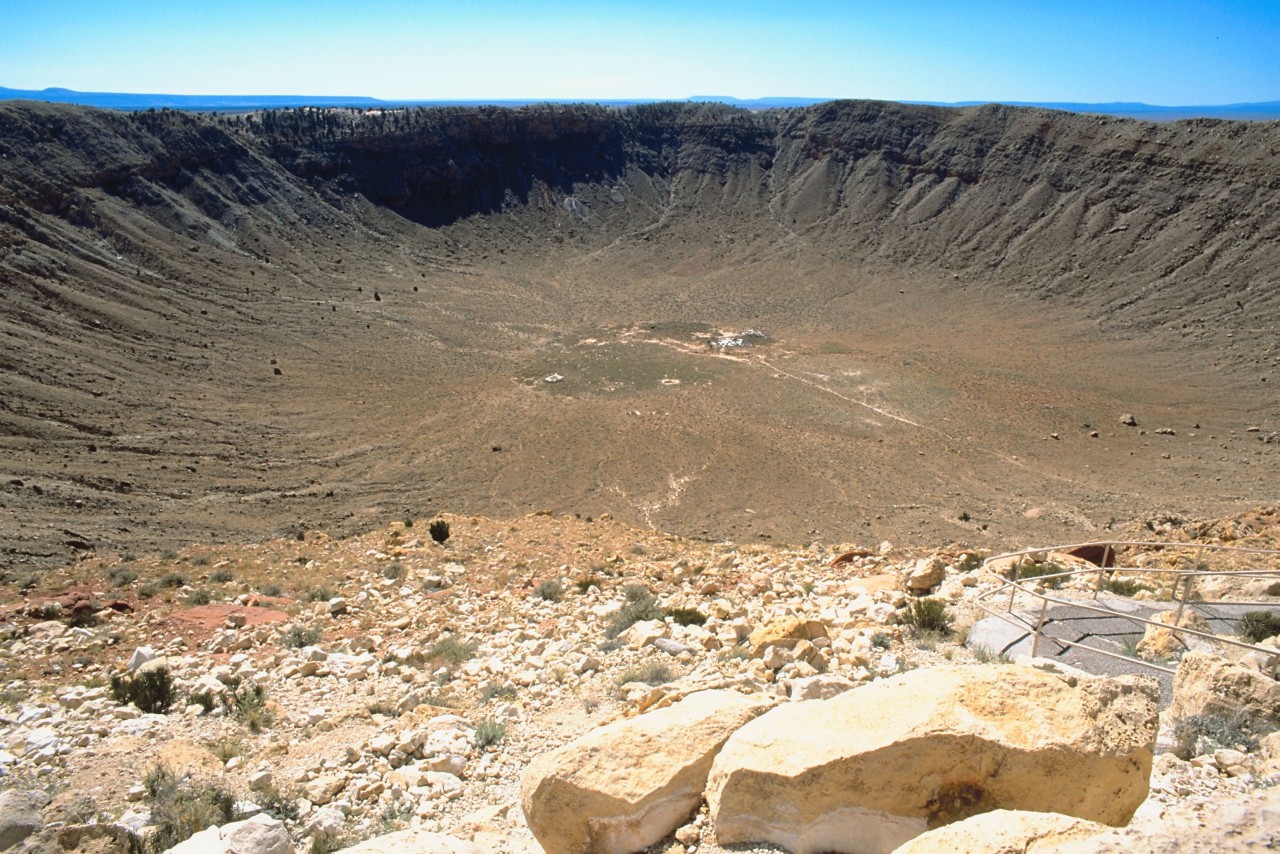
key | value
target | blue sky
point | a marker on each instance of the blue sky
(1175, 52)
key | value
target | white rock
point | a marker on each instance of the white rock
(142, 655)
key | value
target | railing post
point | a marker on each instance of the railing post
(1035, 640)
(1182, 600)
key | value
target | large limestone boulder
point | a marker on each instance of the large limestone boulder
(876, 766)
(1005, 832)
(785, 633)
(625, 786)
(1207, 684)
(926, 574)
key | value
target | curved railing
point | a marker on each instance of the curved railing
(1182, 586)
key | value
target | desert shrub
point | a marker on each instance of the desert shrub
(490, 731)
(439, 530)
(587, 582)
(121, 577)
(296, 637)
(650, 673)
(640, 605)
(327, 841)
(928, 616)
(277, 804)
(1123, 586)
(880, 640)
(84, 615)
(227, 748)
(1038, 569)
(1196, 735)
(686, 616)
(180, 809)
(146, 591)
(382, 707)
(173, 579)
(408, 521)
(450, 650)
(550, 590)
(986, 655)
(248, 704)
(1257, 626)
(47, 611)
(199, 597)
(222, 576)
(204, 699)
(272, 590)
(203, 560)
(498, 692)
(151, 690)
(319, 594)
(393, 571)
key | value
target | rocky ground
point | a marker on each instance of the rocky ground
(358, 686)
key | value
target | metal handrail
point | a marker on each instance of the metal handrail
(1184, 579)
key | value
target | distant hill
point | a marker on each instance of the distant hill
(132, 101)
(1262, 111)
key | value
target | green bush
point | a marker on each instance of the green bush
(880, 640)
(450, 650)
(1197, 735)
(686, 616)
(490, 731)
(173, 579)
(277, 804)
(550, 591)
(393, 571)
(151, 690)
(121, 577)
(199, 597)
(587, 582)
(249, 706)
(1123, 587)
(319, 594)
(928, 616)
(439, 530)
(180, 809)
(1257, 626)
(650, 673)
(296, 637)
(1038, 569)
(204, 699)
(498, 692)
(640, 605)
(222, 576)
(272, 590)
